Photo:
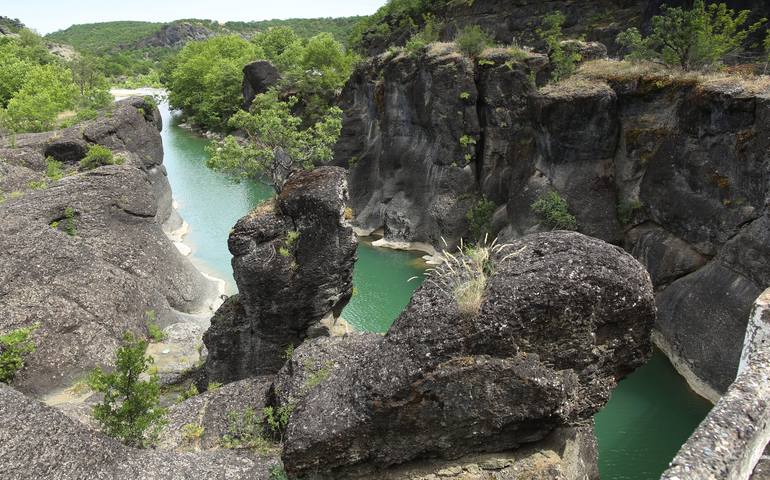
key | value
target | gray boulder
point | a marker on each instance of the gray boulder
(293, 262)
(563, 318)
(258, 77)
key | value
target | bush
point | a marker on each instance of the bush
(430, 33)
(563, 61)
(53, 169)
(480, 219)
(554, 212)
(472, 40)
(130, 410)
(99, 156)
(14, 346)
(701, 37)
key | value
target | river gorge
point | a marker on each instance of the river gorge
(650, 415)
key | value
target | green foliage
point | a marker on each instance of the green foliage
(188, 393)
(402, 16)
(278, 473)
(206, 80)
(99, 156)
(465, 96)
(277, 142)
(245, 430)
(480, 219)
(155, 333)
(472, 40)
(318, 376)
(430, 33)
(291, 238)
(37, 185)
(699, 38)
(289, 352)
(563, 60)
(284, 252)
(192, 432)
(69, 222)
(554, 211)
(213, 386)
(53, 169)
(47, 90)
(130, 409)
(276, 419)
(14, 346)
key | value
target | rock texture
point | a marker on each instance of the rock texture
(87, 257)
(175, 35)
(293, 263)
(40, 442)
(258, 77)
(563, 318)
(675, 170)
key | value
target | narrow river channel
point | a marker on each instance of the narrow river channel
(649, 417)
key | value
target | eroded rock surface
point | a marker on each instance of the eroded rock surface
(563, 318)
(87, 257)
(258, 77)
(41, 442)
(293, 263)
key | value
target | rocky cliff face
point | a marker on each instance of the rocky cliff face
(293, 263)
(676, 170)
(175, 35)
(87, 257)
(258, 77)
(563, 317)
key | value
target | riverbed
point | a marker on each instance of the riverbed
(650, 415)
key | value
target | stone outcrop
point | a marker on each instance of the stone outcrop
(563, 317)
(293, 263)
(258, 77)
(175, 35)
(87, 257)
(41, 442)
(675, 170)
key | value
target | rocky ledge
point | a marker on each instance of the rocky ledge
(86, 257)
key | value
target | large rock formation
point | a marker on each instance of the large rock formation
(562, 318)
(258, 77)
(676, 170)
(293, 263)
(87, 257)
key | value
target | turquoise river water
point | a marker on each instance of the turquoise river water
(649, 417)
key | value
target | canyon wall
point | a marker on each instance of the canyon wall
(673, 169)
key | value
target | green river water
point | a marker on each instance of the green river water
(649, 417)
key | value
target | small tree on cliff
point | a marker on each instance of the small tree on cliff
(690, 39)
(131, 408)
(277, 144)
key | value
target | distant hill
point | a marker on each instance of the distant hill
(126, 35)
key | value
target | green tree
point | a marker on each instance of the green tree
(701, 37)
(563, 60)
(47, 91)
(130, 410)
(472, 40)
(554, 211)
(277, 142)
(206, 80)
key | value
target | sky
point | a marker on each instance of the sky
(47, 16)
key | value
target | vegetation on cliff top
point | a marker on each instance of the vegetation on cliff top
(702, 37)
(14, 346)
(37, 87)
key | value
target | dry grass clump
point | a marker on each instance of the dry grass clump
(576, 86)
(463, 276)
(734, 80)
